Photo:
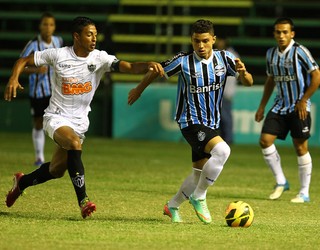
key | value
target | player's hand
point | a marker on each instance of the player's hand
(11, 89)
(43, 70)
(259, 115)
(156, 68)
(240, 67)
(301, 109)
(133, 95)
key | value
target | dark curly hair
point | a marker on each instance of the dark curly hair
(79, 23)
(202, 26)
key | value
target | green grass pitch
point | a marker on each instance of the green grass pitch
(130, 181)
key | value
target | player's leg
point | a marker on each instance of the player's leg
(274, 127)
(71, 142)
(42, 174)
(219, 151)
(38, 139)
(300, 131)
(273, 160)
(171, 209)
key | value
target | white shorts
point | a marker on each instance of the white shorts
(51, 122)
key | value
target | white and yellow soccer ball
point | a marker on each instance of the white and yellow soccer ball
(239, 214)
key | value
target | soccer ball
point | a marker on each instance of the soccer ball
(239, 214)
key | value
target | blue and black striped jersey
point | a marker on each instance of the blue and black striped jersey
(40, 84)
(201, 84)
(291, 73)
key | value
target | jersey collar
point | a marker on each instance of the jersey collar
(200, 59)
(287, 49)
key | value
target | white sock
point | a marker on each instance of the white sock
(272, 158)
(38, 139)
(186, 189)
(212, 169)
(305, 169)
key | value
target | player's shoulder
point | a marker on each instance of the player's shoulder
(300, 47)
(177, 56)
(58, 40)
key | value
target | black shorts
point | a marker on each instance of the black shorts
(198, 136)
(280, 125)
(38, 105)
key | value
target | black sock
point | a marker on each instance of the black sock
(76, 173)
(38, 176)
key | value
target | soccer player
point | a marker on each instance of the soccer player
(40, 80)
(294, 72)
(202, 77)
(78, 70)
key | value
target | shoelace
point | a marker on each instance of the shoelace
(204, 206)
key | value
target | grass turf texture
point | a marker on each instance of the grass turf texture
(130, 181)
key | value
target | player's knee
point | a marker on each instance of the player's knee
(74, 144)
(222, 151)
(264, 143)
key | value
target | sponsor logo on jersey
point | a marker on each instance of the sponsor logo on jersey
(203, 89)
(286, 78)
(64, 66)
(71, 86)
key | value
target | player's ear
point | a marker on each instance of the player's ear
(292, 34)
(76, 36)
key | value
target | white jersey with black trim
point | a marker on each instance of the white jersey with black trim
(75, 79)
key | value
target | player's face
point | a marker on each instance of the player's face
(283, 34)
(88, 38)
(47, 28)
(202, 44)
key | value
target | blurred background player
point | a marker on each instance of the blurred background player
(226, 122)
(40, 80)
(294, 72)
(202, 76)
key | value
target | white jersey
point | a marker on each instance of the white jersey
(75, 80)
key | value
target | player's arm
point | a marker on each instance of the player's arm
(267, 92)
(35, 70)
(13, 84)
(301, 106)
(244, 76)
(136, 92)
(140, 67)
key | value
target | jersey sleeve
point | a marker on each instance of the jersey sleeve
(107, 61)
(268, 62)
(231, 64)
(45, 57)
(306, 58)
(173, 66)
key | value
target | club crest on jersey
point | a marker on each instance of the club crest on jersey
(201, 135)
(196, 75)
(219, 70)
(92, 67)
(288, 63)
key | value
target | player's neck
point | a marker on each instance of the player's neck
(80, 52)
(46, 39)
